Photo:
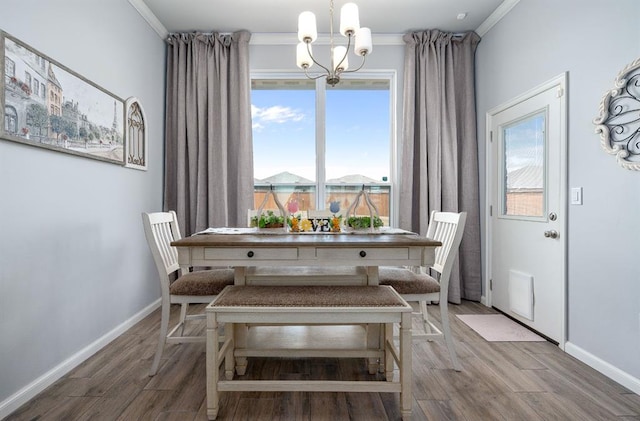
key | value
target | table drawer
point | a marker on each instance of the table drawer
(249, 254)
(363, 253)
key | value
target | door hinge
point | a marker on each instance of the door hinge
(491, 136)
(559, 93)
(490, 284)
(490, 210)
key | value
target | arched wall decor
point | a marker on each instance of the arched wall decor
(619, 121)
(136, 135)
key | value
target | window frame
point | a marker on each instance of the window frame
(320, 129)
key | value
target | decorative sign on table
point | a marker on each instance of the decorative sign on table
(47, 105)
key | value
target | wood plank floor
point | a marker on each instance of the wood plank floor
(500, 381)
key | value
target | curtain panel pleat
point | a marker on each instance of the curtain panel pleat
(209, 152)
(439, 163)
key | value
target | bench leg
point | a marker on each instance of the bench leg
(405, 366)
(212, 364)
(240, 332)
(388, 356)
(229, 359)
(373, 342)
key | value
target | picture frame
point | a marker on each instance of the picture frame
(47, 105)
(136, 136)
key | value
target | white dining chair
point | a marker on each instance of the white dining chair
(198, 287)
(431, 284)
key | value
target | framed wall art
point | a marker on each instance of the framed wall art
(135, 135)
(47, 105)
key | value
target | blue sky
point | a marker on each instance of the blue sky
(525, 143)
(358, 134)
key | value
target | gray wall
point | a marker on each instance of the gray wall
(73, 261)
(592, 40)
(74, 264)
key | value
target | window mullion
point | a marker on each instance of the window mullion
(320, 142)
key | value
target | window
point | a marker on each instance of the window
(317, 144)
(10, 120)
(9, 67)
(523, 163)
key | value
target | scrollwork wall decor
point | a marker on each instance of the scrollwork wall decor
(619, 121)
(136, 135)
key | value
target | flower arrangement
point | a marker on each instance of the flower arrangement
(335, 223)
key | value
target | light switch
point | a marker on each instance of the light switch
(576, 195)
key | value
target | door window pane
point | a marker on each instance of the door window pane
(524, 167)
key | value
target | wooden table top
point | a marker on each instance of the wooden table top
(284, 239)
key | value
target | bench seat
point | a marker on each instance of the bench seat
(239, 305)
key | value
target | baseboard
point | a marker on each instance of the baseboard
(28, 392)
(483, 300)
(614, 373)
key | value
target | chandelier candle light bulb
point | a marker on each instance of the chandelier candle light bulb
(340, 61)
(303, 58)
(349, 19)
(359, 38)
(364, 45)
(307, 31)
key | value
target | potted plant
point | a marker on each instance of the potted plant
(364, 222)
(267, 220)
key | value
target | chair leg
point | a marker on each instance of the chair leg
(425, 317)
(164, 327)
(183, 317)
(448, 338)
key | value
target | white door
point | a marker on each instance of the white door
(526, 175)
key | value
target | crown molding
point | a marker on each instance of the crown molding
(500, 12)
(151, 19)
(323, 39)
(291, 38)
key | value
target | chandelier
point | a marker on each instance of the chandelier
(349, 27)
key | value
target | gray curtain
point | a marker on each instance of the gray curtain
(439, 166)
(209, 153)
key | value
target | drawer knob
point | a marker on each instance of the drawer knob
(250, 254)
(363, 253)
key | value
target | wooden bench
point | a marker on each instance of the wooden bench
(240, 305)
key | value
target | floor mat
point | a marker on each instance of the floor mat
(498, 328)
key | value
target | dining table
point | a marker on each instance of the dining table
(248, 250)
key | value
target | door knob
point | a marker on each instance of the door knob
(551, 234)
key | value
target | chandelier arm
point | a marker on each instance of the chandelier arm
(337, 66)
(306, 73)
(364, 58)
(314, 59)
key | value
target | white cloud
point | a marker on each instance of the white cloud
(276, 114)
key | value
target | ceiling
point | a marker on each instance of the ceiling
(281, 16)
